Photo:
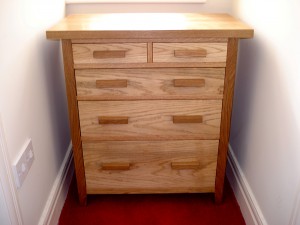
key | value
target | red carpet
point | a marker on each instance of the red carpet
(168, 209)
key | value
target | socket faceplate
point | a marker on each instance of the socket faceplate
(23, 163)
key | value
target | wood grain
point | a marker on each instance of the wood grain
(150, 166)
(109, 54)
(133, 53)
(113, 120)
(185, 165)
(167, 52)
(190, 53)
(149, 40)
(172, 69)
(226, 117)
(188, 64)
(152, 83)
(150, 25)
(150, 119)
(115, 166)
(74, 119)
(118, 83)
(150, 52)
(189, 82)
(187, 119)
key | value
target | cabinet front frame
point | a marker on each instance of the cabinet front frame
(230, 70)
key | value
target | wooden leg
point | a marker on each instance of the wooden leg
(232, 48)
(74, 119)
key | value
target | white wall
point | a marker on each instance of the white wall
(32, 96)
(265, 135)
(4, 215)
(209, 6)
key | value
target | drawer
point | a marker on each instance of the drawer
(163, 83)
(150, 119)
(110, 53)
(150, 167)
(190, 52)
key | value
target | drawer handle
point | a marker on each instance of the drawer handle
(113, 120)
(190, 53)
(111, 83)
(189, 82)
(109, 54)
(187, 119)
(115, 166)
(185, 165)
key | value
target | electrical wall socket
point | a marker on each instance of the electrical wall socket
(23, 163)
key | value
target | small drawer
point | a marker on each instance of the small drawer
(190, 52)
(150, 119)
(150, 167)
(151, 83)
(110, 53)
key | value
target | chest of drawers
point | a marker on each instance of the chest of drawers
(149, 100)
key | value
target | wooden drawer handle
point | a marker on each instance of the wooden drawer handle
(114, 54)
(113, 120)
(115, 166)
(189, 82)
(187, 119)
(190, 53)
(185, 165)
(111, 83)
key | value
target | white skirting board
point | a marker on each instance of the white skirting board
(59, 191)
(7, 183)
(243, 193)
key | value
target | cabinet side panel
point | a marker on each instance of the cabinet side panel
(74, 119)
(230, 71)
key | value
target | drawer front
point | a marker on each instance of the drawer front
(150, 167)
(110, 53)
(150, 119)
(164, 83)
(189, 52)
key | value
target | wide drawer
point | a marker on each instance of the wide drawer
(110, 53)
(150, 119)
(190, 52)
(150, 167)
(162, 83)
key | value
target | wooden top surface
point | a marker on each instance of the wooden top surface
(149, 25)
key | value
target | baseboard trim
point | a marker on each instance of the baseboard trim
(59, 191)
(243, 193)
(7, 182)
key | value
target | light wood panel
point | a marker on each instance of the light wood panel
(150, 65)
(152, 83)
(149, 25)
(150, 166)
(150, 40)
(189, 52)
(150, 120)
(110, 53)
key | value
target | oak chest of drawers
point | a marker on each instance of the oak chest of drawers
(149, 100)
